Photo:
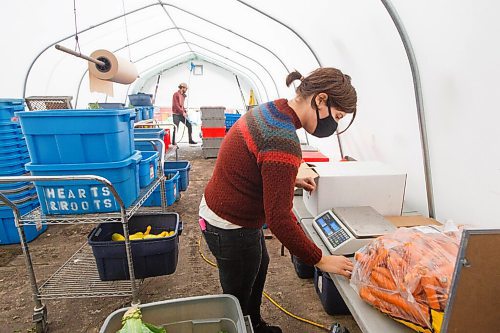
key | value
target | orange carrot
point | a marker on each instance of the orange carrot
(430, 285)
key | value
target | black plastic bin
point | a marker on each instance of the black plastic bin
(332, 301)
(151, 257)
(303, 270)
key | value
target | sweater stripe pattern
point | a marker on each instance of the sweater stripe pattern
(254, 176)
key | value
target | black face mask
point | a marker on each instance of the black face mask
(326, 126)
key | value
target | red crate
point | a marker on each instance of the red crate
(314, 156)
(213, 132)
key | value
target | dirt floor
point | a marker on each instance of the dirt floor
(193, 276)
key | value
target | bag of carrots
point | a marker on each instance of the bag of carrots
(407, 275)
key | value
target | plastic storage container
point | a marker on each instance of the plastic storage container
(151, 257)
(211, 313)
(140, 99)
(82, 197)
(213, 132)
(148, 167)
(111, 105)
(303, 270)
(78, 136)
(231, 118)
(8, 230)
(8, 107)
(148, 133)
(171, 191)
(332, 301)
(213, 122)
(210, 152)
(212, 142)
(208, 112)
(183, 167)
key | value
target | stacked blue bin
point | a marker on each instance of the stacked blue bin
(231, 118)
(172, 183)
(82, 142)
(144, 113)
(13, 157)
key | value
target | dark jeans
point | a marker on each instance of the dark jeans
(243, 260)
(181, 119)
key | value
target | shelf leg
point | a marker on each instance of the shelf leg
(40, 319)
(128, 249)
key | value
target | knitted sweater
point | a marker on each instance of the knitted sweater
(255, 173)
(178, 103)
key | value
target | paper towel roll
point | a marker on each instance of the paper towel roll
(117, 70)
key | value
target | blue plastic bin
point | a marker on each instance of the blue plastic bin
(183, 167)
(148, 133)
(151, 257)
(138, 115)
(81, 197)
(332, 301)
(8, 230)
(231, 118)
(171, 191)
(78, 136)
(9, 125)
(8, 107)
(303, 270)
(6, 153)
(14, 164)
(148, 167)
(140, 99)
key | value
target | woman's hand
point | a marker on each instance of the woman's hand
(307, 183)
(336, 264)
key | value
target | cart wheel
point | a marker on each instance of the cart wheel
(40, 320)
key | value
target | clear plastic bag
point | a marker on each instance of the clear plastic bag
(407, 275)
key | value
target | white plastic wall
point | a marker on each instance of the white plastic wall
(216, 87)
(454, 42)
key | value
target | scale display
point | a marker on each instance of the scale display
(344, 230)
(332, 229)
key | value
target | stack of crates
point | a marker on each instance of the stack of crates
(144, 113)
(82, 142)
(213, 129)
(13, 157)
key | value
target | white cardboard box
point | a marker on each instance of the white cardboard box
(358, 183)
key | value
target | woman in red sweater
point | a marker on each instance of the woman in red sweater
(253, 184)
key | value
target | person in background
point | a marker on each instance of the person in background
(179, 112)
(253, 184)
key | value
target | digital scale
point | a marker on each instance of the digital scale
(344, 230)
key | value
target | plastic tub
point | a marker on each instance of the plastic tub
(332, 301)
(140, 99)
(151, 257)
(8, 229)
(148, 133)
(213, 122)
(138, 115)
(231, 118)
(148, 167)
(303, 270)
(8, 107)
(111, 105)
(210, 112)
(9, 125)
(82, 197)
(14, 161)
(171, 191)
(78, 136)
(209, 152)
(6, 153)
(213, 132)
(212, 142)
(183, 167)
(211, 313)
